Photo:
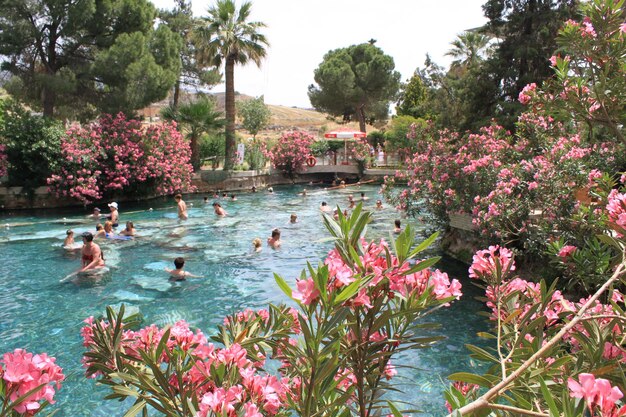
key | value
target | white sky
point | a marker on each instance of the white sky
(300, 32)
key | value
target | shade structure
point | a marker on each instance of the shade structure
(345, 135)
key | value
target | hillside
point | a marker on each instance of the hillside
(283, 118)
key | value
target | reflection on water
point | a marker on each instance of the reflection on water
(43, 315)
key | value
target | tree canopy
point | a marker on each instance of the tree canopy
(358, 82)
(228, 37)
(76, 57)
(255, 114)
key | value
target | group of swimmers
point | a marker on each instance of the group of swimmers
(91, 253)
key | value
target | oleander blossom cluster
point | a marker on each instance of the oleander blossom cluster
(494, 267)
(22, 372)
(600, 397)
(385, 279)
(4, 160)
(360, 151)
(225, 381)
(290, 153)
(116, 155)
(514, 187)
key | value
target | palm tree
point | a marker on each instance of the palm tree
(229, 38)
(195, 119)
(468, 49)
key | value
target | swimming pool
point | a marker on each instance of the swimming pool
(41, 314)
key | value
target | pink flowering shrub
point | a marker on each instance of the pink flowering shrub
(290, 153)
(517, 188)
(546, 338)
(27, 382)
(176, 371)
(360, 152)
(118, 156)
(589, 83)
(4, 160)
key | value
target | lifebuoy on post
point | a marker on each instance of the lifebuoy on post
(311, 161)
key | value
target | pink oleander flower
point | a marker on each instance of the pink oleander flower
(486, 262)
(22, 372)
(622, 28)
(306, 292)
(595, 392)
(566, 251)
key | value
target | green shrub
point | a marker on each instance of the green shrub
(33, 145)
(212, 146)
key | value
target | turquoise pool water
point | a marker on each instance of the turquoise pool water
(41, 314)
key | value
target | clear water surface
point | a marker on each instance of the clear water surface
(41, 314)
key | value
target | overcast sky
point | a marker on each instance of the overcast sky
(300, 32)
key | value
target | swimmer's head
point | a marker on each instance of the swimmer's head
(293, 218)
(70, 232)
(108, 226)
(233, 196)
(99, 227)
(257, 243)
(206, 199)
(179, 262)
(87, 237)
(178, 197)
(324, 203)
(350, 197)
(379, 203)
(276, 234)
(270, 189)
(216, 204)
(96, 210)
(129, 225)
(397, 223)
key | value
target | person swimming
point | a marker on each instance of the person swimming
(69, 243)
(274, 241)
(379, 205)
(179, 274)
(325, 207)
(397, 229)
(114, 215)
(108, 230)
(293, 218)
(92, 257)
(182, 207)
(100, 233)
(219, 210)
(257, 245)
(129, 230)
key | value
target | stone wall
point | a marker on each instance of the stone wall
(12, 198)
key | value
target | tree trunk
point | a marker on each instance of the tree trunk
(176, 95)
(360, 114)
(195, 152)
(48, 101)
(230, 113)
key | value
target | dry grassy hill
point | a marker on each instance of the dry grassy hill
(283, 118)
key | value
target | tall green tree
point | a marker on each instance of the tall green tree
(358, 82)
(255, 114)
(229, 38)
(468, 49)
(181, 21)
(86, 54)
(527, 31)
(195, 119)
(413, 97)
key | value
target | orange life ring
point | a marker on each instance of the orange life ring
(311, 161)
